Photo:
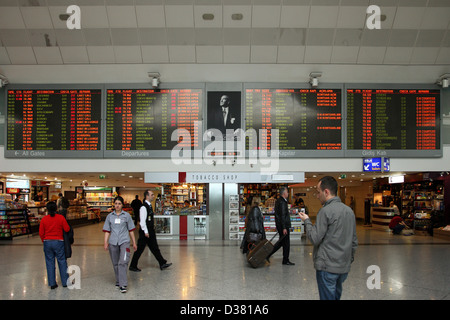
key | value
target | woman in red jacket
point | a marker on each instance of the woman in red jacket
(51, 232)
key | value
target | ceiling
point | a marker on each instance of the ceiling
(414, 32)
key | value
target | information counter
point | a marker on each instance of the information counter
(381, 216)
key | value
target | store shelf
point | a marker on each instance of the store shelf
(13, 223)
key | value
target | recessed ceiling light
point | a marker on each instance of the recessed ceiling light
(237, 16)
(208, 16)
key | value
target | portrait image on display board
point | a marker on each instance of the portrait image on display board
(223, 111)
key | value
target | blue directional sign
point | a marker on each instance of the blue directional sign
(376, 165)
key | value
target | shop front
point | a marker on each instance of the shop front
(211, 205)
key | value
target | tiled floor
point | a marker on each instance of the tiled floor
(415, 267)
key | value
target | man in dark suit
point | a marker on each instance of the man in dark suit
(224, 117)
(283, 224)
(147, 235)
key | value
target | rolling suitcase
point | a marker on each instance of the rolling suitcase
(260, 252)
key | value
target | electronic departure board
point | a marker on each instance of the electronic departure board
(53, 123)
(307, 120)
(140, 122)
(380, 121)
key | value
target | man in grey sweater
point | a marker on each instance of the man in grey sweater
(334, 240)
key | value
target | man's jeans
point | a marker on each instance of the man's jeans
(330, 284)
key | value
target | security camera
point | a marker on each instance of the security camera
(3, 81)
(445, 83)
(155, 82)
(314, 79)
(155, 76)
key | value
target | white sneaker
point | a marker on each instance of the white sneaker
(123, 289)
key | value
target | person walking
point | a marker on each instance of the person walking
(147, 235)
(254, 226)
(118, 225)
(334, 239)
(283, 224)
(51, 230)
(136, 204)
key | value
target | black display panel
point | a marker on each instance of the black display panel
(393, 119)
(53, 122)
(307, 119)
(143, 120)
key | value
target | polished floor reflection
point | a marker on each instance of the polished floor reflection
(415, 267)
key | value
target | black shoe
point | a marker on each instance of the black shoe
(54, 287)
(165, 265)
(134, 269)
(123, 289)
(288, 263)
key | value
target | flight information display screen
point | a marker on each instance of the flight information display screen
(144, 120)
(306, 119)
(393, 119)
(39, 121)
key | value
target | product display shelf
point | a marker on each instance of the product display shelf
(296, 231)
(13, 223)
(99, 199)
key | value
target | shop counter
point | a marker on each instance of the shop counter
(381, 217)
(183, 227)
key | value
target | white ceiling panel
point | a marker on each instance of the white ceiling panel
(436, 18)
(11, 18)
(125, 37)
(318, 54)
(155, 54)
(4, 58)
(444, 56)
(371, 55)
(209, 54)
(390, 13)
(66, 37)
(294, 16)
(150, 16)
(323, 16)
(100, 54)
(399, 55)
(182, 54)
(122, 16)
(94, 17)
(14, 37)
(36, 17)
(236, 54)
(291, 54)
(210, 11)
(181, 16)
(57, 23)
(344, 54)
(128, 54)
(263, 54)
(266, 16)
(351, 17)
(47, 55)
(408, 18)
(222, 31)
(424, 55)
(21, 55)
(74, 55)
(231, 11)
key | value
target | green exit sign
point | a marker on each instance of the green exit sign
(102, 176)
(343, 176)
